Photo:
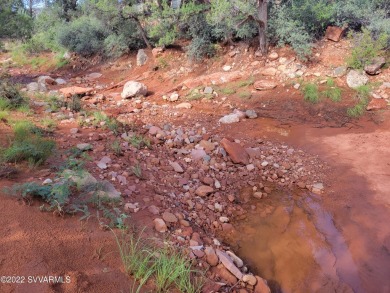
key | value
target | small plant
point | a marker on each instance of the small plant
(363, 92)
(162, 62)
(168, 267)
(310, 93)
(4, 115)
(194, 94)
(10, 96)
(366, 48)
(116, 147)
(332, 91)
(137, 171)
(28, 145)
(138, 141)
(228, 91)
(74, 104)
(357, 110)
(245, 95)
(49, 124)
(247, 82)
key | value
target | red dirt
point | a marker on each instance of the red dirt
(35, 243)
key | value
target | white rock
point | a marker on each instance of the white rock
(133, 88)
(356, 79)
(228, 119)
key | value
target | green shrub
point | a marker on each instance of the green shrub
(84, 36)
(10, 96)
(366, 48)
(28, 145)
(310, 93)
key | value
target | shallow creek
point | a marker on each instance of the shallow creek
(294, 244)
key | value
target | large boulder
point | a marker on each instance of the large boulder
(142, 58)
(133, 89)
(375, 66)
(356, 79)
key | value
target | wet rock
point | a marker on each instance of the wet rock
(237, 261)
(133, 89)
(376, 104)
(334, 33)
(211, 257)
(169, 217)
(236, 152)
(225, 275)
(228, 264)
(375, 66)
(356, 79)
(230, 118)
(263, 85)
(250, 279)
(261, 286)
(204, 190)
(251, 114)
(160, 225)
(142, 58)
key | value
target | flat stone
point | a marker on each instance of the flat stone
(198, 154)
(93, 75)
(269, 71)
(250, 279)
(375, 66)
(84, 146)
(230, 118)
(208, 90)
(176, 167)
(226, 276)
(184, 105)
(237, 261)
(109, 189)
(153, 210)
(229, 265)
(339, 71)
(169, 217)
(204, 190)
(376, 104)
(75, 90)
(207, 145)
(263, 85)
(236, 152)
(334, 33)
(160, 225)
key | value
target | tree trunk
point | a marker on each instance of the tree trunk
(143, 33)
(262, 25)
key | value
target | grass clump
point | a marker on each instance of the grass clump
(310, 93)
(168, 267)
(4, 115)
(332, 91)
(10, 97)
(28, 145)
(362, 95)
(139, 141)
(228, 91)
(247, 82)
(101, 119)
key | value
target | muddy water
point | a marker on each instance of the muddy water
(336, 242)
(295, 245)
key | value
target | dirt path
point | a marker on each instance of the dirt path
(35, 244)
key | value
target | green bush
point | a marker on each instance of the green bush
(10, 96)
(310, 93)
(84, 36)
(28, 145)
(366, 48)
